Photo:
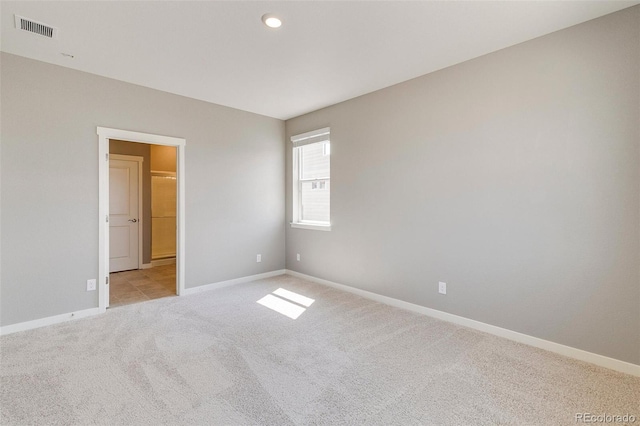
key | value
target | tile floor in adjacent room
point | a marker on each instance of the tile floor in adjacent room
(140, 285)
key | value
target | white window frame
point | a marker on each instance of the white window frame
(309, 138)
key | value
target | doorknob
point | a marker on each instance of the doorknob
(133, 220)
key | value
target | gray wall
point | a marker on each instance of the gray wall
(49, 195)
(141, 150)
(513, 177)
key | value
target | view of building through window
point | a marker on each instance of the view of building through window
(314, 186)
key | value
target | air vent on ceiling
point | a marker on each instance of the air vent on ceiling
(35, 27)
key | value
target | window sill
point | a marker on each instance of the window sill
(311, 226)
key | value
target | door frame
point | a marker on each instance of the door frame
(140, 161)
(104, 135)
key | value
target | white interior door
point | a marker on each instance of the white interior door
(124, 215)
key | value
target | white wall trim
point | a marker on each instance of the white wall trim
(302, 225)
(568, 351)
(129, 136)
(235, 281)
(71, 316)
(43, 322)
(104, 135)
(146, 266)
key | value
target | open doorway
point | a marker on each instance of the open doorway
(141, 204)
(142, 222)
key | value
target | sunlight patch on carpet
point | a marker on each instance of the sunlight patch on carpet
(288, 309)
(294, 297)
(294, 305)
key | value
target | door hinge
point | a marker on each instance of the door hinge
(107, 218)
(106, 157)
(106, 280)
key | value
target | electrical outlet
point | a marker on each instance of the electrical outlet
(442, 288)
(298, 257)
(259, 258)
(91, 285)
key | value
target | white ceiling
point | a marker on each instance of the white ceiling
(325, 52)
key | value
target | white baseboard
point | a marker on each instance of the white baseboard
(234, 281)
(568, 351)
(42, 322)
(146, 266)
(162, 262)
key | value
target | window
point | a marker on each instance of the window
(312, 180)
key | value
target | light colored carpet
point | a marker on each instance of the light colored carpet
(220, 358)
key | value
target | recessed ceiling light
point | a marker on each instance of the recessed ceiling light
(271, 21)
